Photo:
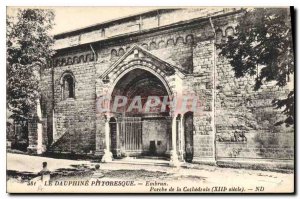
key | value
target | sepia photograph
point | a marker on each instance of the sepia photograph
(150, 100)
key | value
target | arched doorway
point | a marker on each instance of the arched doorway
(142, 131)
(189, 136)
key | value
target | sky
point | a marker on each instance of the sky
(70, 18)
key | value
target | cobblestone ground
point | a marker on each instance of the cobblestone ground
(22, 168)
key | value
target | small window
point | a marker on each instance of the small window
(121, 52)
(114, 53)
(229, 32)
(219, 36)
(68, 86)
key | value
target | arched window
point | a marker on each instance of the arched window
(114, 53)
(121, 51)
(219, 36)
(68, 86)
(229, 32)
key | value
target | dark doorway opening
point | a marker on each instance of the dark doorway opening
(152, 148)
(113, 133)
(189, 138)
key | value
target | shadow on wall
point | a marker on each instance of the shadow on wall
(76, 140)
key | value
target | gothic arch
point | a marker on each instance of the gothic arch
(156, 72)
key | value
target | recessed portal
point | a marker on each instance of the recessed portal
(140, 132)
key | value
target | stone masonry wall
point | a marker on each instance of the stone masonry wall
(244, 118)
(74, 117)
(201, 83)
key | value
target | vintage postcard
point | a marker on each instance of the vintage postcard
(150, 100)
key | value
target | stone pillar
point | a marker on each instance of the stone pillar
(40, 146)
(100, 123)
(181, 139)
(32, 136)
(118, 150)
(35, 132)
(174, 156)
(54, 133)
(107, 157)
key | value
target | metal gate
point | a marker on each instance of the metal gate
(131, 134)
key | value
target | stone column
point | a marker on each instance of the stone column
(107, 157)
(40, 146)
(181, 139)
(174, 157)
(35, 132)
(118, 150)
(54, 134)
(100, 139)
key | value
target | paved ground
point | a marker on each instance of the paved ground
(22, 168)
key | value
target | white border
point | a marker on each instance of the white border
(172, 3)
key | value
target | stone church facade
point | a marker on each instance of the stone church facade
(165, 52)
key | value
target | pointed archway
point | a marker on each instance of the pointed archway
(141, 132)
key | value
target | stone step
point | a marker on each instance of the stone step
(140, 161)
